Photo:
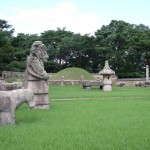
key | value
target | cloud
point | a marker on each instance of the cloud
(66, 14)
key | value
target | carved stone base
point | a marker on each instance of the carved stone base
(41, 101)
(40, 91)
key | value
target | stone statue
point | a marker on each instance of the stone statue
(10, 101)
(36, 76)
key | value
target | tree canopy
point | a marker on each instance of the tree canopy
(126, 46)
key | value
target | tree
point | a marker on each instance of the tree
(122, 45)
(69, 49)
(21, 48)
(52, 40)
(6, 50)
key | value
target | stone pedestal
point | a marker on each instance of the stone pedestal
(40, 91)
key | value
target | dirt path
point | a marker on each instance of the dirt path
(101, 98)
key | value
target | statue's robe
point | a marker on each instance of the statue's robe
(35, 81)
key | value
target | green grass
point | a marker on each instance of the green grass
(117, 120)
(72, 73)
(62, 92)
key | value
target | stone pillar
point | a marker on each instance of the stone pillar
(147, 82)
(147, 73)
(82, 80)
(62, 81)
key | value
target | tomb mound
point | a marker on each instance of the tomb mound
(72, 73)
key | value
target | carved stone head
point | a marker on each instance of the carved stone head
(38, 50)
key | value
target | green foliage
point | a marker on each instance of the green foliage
(52, 67)
(118, 120)
(72, 73)
(71, 49)
(16, 66)
(131, 75)
(126, 46)
(6, 50)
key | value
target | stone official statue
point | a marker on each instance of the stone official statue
(36, 76)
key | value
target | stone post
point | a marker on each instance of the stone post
(82, 80)
(147, 73)
(62, 80)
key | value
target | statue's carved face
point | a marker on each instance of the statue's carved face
(42, 54)
(40, 51)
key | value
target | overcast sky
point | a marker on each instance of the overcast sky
(79, 16)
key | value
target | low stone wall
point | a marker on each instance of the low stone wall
(131, 82)
(10, 74)
(64, 82)
(115, 81)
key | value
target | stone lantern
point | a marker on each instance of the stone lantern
(107, 72)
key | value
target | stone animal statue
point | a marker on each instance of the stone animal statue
(10, 101)
(10, 86)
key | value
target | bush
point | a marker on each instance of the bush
(131, 75)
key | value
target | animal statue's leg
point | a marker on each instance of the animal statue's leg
(13, 117)
(13, 108)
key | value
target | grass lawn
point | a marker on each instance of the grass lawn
(92, 120)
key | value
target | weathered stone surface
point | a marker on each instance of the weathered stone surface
(10, 86)
(5, 110)
(88, 84)
(4, 102)
(147, 84)
(38, 86)
(121, 84)
(140, 84)
(10, 101)
(36, 76)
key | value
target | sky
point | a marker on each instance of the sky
(78, 16)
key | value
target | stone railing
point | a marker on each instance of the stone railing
(115, 81)
(10, 74)
(71, 82)
(130, 82)
(64, 82)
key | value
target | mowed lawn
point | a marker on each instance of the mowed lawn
(81, 119)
